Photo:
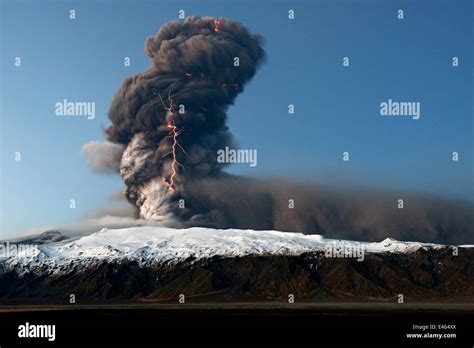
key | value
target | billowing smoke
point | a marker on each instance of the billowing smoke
(104, 156)
(172, 117)
(171, 120)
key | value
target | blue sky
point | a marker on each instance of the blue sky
(337, 108)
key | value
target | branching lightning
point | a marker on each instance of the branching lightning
(174, 133)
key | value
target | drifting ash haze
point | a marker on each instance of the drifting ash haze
(169, 122)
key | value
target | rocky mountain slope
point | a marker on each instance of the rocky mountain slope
(155, 264)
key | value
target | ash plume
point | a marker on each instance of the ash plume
(171, 121)
(187, 89)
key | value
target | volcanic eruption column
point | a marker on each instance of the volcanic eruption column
(171, 118)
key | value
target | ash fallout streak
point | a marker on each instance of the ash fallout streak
(171, 120)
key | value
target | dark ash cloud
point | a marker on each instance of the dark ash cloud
(193, 70)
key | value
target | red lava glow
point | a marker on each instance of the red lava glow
(217, 24)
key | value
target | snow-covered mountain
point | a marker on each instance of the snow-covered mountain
(158, 257)
(148, 244)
